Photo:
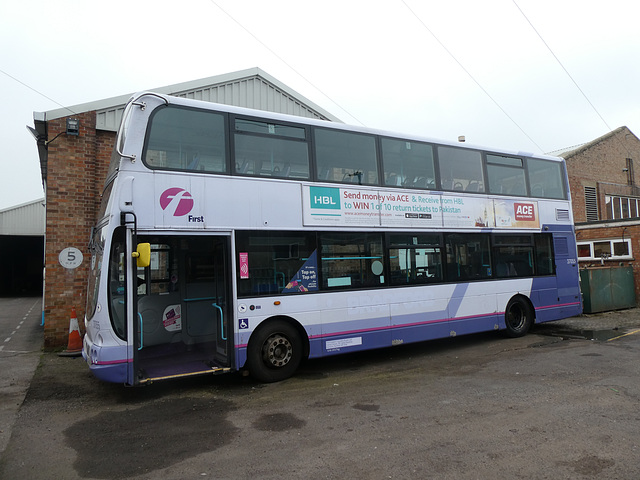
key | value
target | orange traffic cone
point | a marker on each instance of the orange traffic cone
(74, 346)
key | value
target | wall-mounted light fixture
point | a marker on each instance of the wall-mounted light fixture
(73, 126)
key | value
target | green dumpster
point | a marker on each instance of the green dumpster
(607, 288)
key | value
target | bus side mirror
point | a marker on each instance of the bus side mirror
(143, 255)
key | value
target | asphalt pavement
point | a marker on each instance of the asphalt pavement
(562, 402)
(21, 340)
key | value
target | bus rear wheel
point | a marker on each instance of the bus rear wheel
(518, 317)
(274, 352)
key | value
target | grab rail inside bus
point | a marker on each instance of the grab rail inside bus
(141, 332)
(222, 335)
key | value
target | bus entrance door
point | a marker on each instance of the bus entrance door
(206, 299)
(183, 308)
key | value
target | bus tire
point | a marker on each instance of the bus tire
(274, 351)
(518, 317)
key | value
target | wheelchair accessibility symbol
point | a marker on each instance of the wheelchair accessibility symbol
(243, 323)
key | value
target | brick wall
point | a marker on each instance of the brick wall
(600, 164)
(77, 167)
(623, 229)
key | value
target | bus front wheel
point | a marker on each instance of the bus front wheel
(518, 317)
(275, 352)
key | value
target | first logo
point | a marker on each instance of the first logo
(176, 200)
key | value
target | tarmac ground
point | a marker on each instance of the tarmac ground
(562, 402)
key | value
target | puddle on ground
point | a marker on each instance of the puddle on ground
(597, 335)
(366, 407)
(154, 436)
(278, 422)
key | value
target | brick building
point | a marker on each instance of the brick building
(75, 146)
(606, 200)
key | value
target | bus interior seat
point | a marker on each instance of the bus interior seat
(420, 182)
(244, 168)
(324, 175)
(194, 163)
(201, 316)
(474, 186)
(537, 190)
(152, 309)
(517, 190)
(409, 181)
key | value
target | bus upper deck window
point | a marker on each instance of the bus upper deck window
(186, 139)
(346, 157)
(408, 164)
(546, 179)
(460, 169)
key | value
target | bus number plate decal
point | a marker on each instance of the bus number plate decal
(335, 345)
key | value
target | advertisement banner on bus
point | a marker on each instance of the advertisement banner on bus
(372, 208)
(516, 214)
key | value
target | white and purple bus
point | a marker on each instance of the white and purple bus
(265, 239)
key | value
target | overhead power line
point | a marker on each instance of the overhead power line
(285, 62)
(569, 75)
(562, 66)
(470, 75)
(36, 91)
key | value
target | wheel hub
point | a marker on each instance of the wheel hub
(277, 351)
(517, 317)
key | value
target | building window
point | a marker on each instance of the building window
(614, 249)
(621, 207)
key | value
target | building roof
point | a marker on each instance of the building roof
(26, 219)
(576, 149)
(251, 88)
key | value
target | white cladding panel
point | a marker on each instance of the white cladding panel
(26, 219)
(251, 92)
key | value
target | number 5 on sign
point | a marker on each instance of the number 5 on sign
(70, 258)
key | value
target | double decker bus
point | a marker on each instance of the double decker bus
(233, 239)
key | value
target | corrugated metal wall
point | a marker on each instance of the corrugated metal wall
(250, 92)
(23, 220)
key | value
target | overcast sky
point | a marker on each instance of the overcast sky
(525, 75)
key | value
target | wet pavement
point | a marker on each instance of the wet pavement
(20, 346)
(553, 404)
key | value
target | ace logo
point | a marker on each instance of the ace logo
(524, 212)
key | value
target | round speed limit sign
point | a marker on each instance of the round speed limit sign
(70, 258)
